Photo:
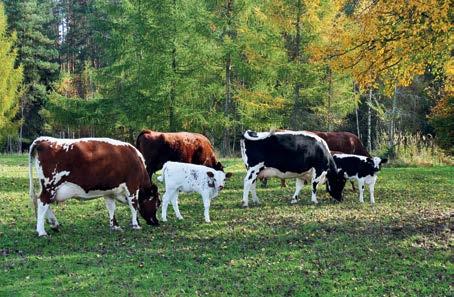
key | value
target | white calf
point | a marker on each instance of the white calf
(184, 177)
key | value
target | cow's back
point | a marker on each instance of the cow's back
(288, 152)
(344, 142)
(92, 164)
(159, 148)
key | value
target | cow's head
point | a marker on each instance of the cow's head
(335, 184)
(149, 203)
(377, 162)
(216, 180)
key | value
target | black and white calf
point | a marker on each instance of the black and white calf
(360, 168)
(184, 177)
(289, 154)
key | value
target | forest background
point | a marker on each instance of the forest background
(380, 69)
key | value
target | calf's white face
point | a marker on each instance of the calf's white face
(217, 179)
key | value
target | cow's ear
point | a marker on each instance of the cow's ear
(228, 175)
(384, 161)
(210, 174)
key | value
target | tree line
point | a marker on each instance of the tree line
(74, 68)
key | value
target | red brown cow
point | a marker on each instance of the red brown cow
(88, 168)
(158, 148)
(345, 142)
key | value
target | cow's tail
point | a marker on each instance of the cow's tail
(161, 177)
(31, 161)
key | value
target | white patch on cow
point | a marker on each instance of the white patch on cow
(340, 156)
(68, 190)
(57, 176)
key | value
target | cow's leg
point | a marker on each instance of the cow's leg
(132, 203)
(264, 182)
(299, 186)
(110, 204)
(317, 177)
(52, 219)
(254, 192)
(206, 207)
(283, 184)
(371, 189)
(165, 203)
(249, 180)
(41, 213)
(175, 206)
(361, 189)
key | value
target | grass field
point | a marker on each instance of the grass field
(401, 247)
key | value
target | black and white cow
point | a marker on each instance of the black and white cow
(289, 154)
(360, 168)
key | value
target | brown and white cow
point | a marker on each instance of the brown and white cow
(88, 168)
(158, 148)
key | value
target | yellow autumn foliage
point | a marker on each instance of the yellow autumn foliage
(390, 41)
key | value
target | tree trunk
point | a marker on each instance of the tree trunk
(357, 123)
(369, 116)
(330, 98)
(295, 55)
(392, 126)
(172, 125)
(172, 95)
(225, 148)
(21, 129)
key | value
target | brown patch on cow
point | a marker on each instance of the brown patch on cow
(158, 148)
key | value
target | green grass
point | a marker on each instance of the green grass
(401, 247)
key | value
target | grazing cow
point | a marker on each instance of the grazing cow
(289, 154)
(88, 168)
(184, 177)
(344, 142)
(158, 148)
(360, 168)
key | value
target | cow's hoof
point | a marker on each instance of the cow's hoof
(257, 202)
(180, 218)
(164, 219)
(294, 201)
(136, 227)
(207, 221)
(244, 205)
(115, 228)
(43, 234)
(55, 228)
(315, 202)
